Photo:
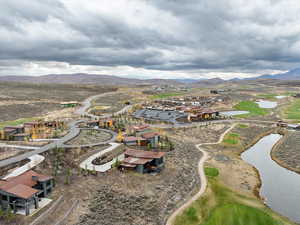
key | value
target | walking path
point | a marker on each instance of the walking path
(34, 161)
(202, 176)
(18, 146)
(87, 164)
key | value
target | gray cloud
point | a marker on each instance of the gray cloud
(163, 35)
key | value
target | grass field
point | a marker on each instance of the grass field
(242, 125)
(166, 95)
(252, 107)
(231, 138)
(293, 111)
(211, 172)
(221, 206)
(16, 122)
(270, 96)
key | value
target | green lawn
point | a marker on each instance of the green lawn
(221, 206)
(238, 214)
(270, 96)
(211, 172)
(16, 122)
(231, 138)
(252, 107)
(293, 111)
(242, 125)
(166, 95)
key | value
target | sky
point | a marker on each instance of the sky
(150, 38)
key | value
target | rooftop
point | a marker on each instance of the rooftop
(143, 154)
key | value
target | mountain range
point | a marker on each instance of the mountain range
(82, 78)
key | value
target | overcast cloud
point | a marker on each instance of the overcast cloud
(149, 38)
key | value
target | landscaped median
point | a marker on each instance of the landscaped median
(221, 206)
(252, 107)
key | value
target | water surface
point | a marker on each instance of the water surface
(266, 104)
(280, 186)
(233, 113)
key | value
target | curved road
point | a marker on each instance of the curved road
(73, 132)
(202, 176)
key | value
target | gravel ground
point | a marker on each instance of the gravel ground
(136, 199)
(89, 137)
(288, 152)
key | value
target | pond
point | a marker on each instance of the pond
(233, 113)
(280, 187)
(266, 104)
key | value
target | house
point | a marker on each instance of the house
(24, 191)
(21, 137)
(142, 161)
(138, 130)
(10, 131)
(130, 140)
(152, 137)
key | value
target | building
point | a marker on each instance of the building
(10, 131)
(24, 191)
(140, 129)
(130, 140)
(152, 138)
(143, 161)
(21, 137)
(92, 123)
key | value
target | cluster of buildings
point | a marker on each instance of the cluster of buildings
(30, 130)
(23, 193)
(181, 109)
(141, 135)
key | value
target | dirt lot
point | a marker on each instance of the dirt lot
(116, 101)
(287, 151)
(40, 98)
(89, 137)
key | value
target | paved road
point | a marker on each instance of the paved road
(202, 176)
(73, 132)
(87, 164)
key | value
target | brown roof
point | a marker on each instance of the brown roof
(149, 135)
(25, 179)
(136, 161)
(141, 127)
(143, 154)
(22, 191)
(130, 138)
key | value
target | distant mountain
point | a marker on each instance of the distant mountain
(213, 81)
(188, 81)
(82, 78)
(290, 75)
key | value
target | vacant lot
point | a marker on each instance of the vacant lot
(89, 137)
(40, 98)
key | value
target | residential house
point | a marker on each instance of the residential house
(152, 137)
(24, 191)
(143, 161)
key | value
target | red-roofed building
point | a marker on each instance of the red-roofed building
(143, 161)
(22, 191)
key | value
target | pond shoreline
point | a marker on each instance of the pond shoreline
(266, 191)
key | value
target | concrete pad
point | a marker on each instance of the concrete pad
(42, 203)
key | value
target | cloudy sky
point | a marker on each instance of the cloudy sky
(149, 38)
